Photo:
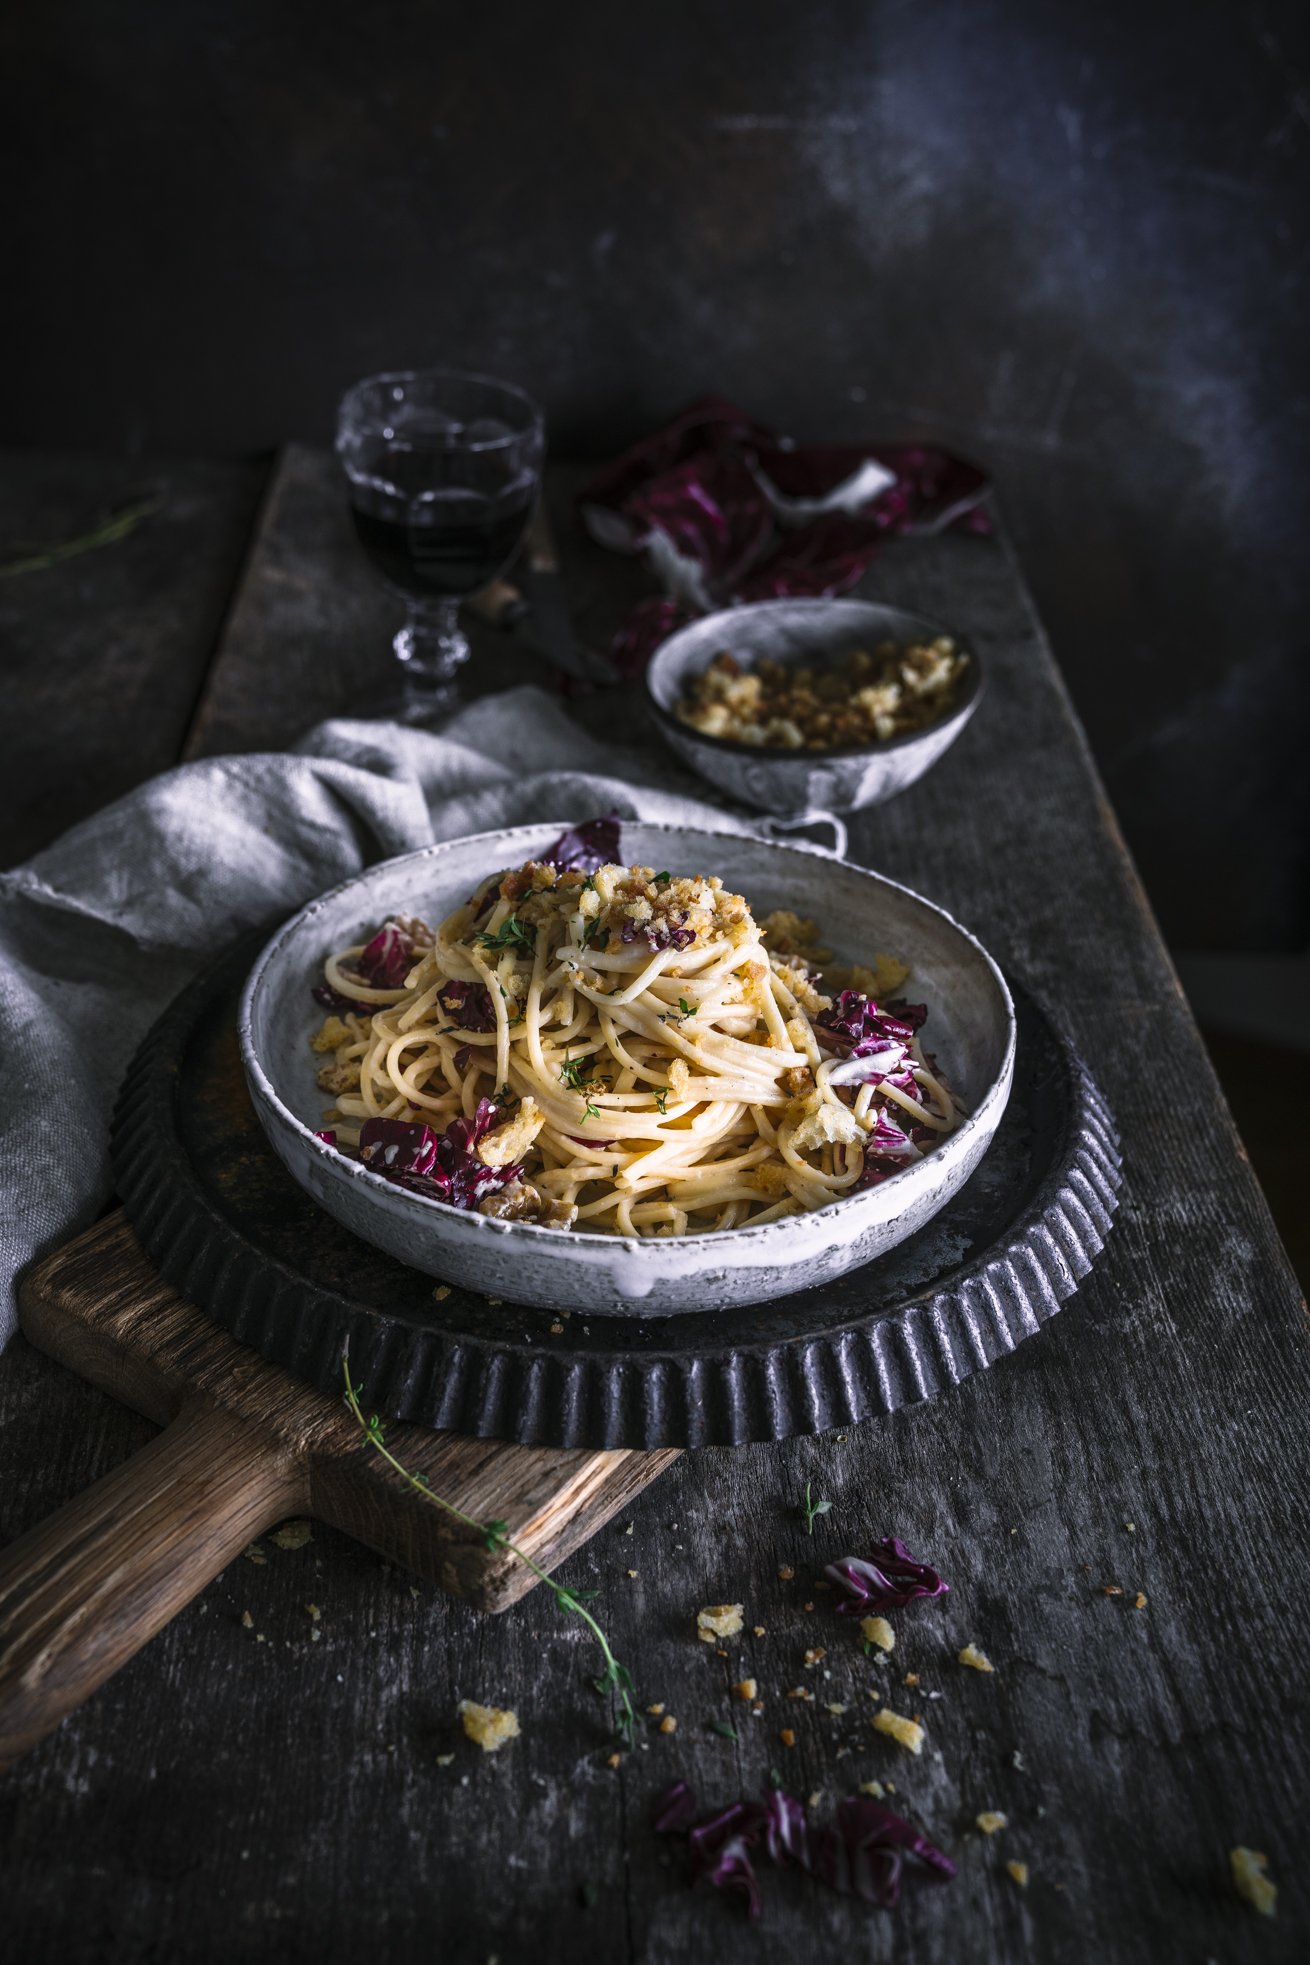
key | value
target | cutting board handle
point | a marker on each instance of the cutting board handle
(83, 1591)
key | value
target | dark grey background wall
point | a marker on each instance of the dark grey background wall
(1071, 241)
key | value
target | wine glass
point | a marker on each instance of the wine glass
(444, 471)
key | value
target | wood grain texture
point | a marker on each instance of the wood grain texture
(104, 653)
(229, 1799)
(98, 1307)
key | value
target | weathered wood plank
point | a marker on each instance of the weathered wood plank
(105, 652)
(310, 1816)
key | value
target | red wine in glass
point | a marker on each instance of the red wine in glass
(427, 541)
(444, 470)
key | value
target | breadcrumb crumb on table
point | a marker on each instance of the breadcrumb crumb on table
(874, 1788)
(876, 1630)
(746, 1690)
(1252, 1881)
(977, 1660)
(907, 1733)
(1019, 1871)
(441, 1292)
(718, 1620)
(990, 1820)
(491, 1727)
(668, 1724)
(293, 1535)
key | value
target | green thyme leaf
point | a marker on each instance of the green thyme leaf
(512, 933)
(811, 1509)
(662, 1101)
(722, 1728)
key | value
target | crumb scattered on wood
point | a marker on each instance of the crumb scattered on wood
(977, 1660)
(907, 1733)
(876, 1630)
(1139, 1601)
(746, 1689)
(718, 1620)
(248, 1622)
(441, 1292)
(1019, 1871)
(491, 1727)
(787, 1737)
(874, 1788)
(990, 1820)
(785, 1572)
(1252, 1881)
(293, 1535)
(668, 1724)
(254, 1553)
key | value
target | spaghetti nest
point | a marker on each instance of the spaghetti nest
(622, 1051)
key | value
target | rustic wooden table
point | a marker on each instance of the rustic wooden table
(241, 1791)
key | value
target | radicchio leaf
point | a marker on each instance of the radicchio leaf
(728, 511)
(333, 999)
(862, 1855)
(442, 1165)
(581, 849)
(661, 930)
(675, 1810)
(385, 962)
(858, 1028)
(468, 1005)
(885, 1581)
(328, 1138)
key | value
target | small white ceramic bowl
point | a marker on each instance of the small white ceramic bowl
(802, 633)
(971, 1030)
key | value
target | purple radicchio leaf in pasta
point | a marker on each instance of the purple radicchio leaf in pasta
(887, 1580)
(856, 1026)
(468, 1005)
(328, 1138)
(581, 849)
(385, 961)
(442, 1165)
(333, 999)
(661, 930)
(887, 1149)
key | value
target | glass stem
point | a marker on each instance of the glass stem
(432, 647)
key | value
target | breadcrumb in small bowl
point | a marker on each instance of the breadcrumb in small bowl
(798, 706)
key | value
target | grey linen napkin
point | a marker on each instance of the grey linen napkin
(99, 932)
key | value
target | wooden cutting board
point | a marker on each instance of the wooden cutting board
(244, 1446)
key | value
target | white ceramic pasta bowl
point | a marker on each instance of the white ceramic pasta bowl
(970, 1030)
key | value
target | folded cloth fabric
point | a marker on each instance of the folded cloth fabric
(100, 931)
(727, 511)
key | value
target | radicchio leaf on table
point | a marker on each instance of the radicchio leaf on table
(862, 1855)
(728, 512)
(887, 1580)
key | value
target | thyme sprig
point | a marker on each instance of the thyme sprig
(512, 933)
(615, 1678)
(117, 526)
